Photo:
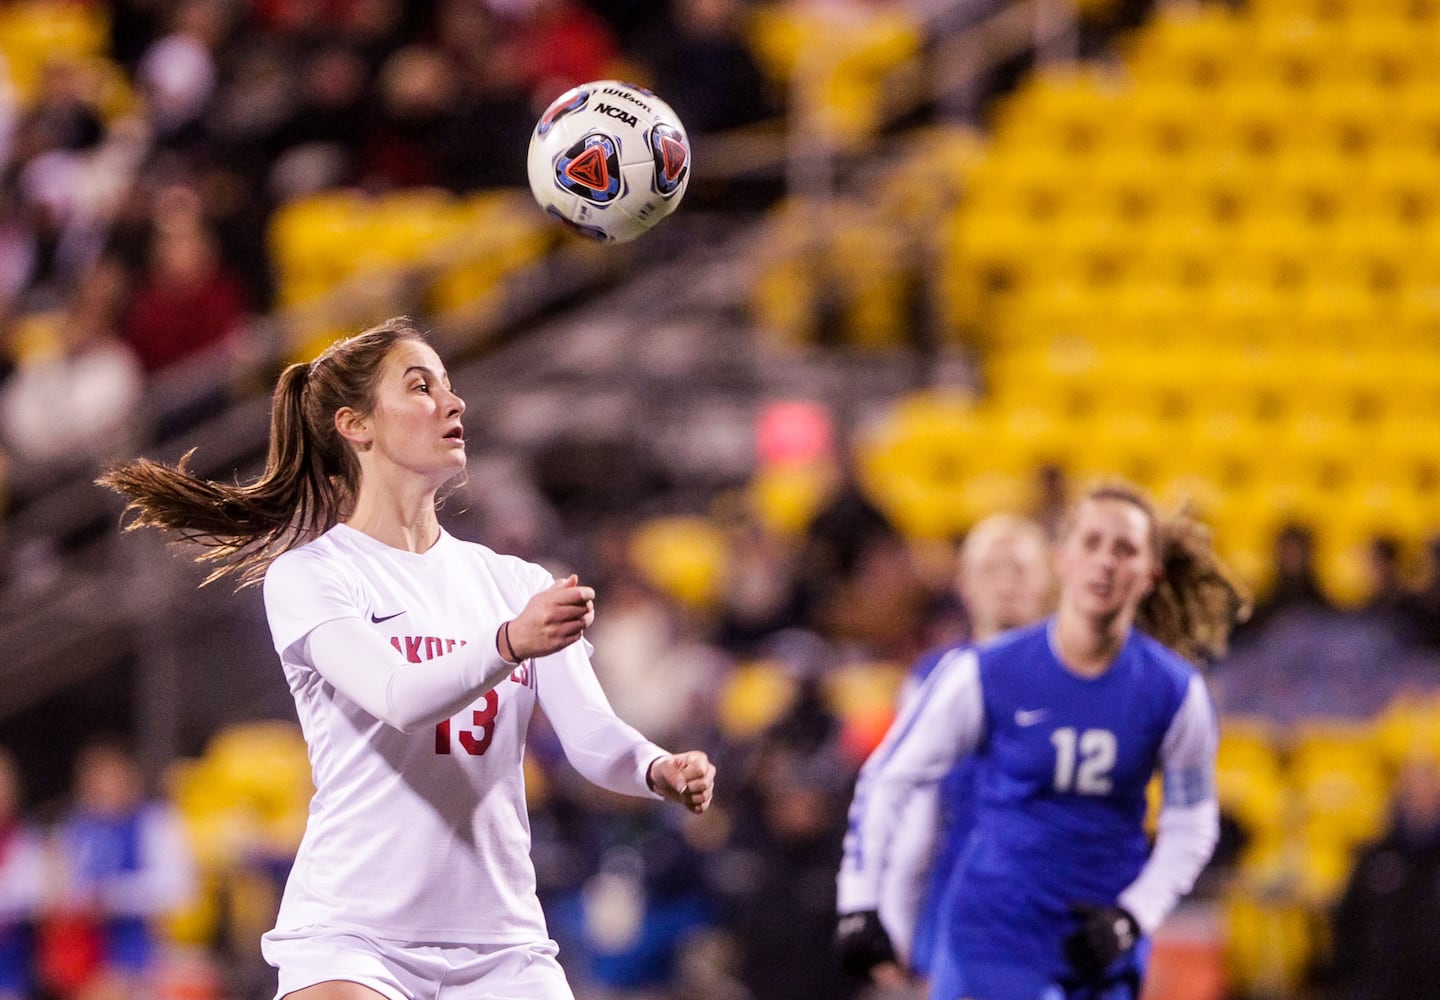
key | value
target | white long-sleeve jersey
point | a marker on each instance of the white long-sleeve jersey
(416, 729)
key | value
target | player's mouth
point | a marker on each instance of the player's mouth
(456, 435)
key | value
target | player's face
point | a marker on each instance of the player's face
(1105, 562)
(1005, 582)
(416, 421)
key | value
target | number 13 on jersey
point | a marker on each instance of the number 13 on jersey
(476, 739)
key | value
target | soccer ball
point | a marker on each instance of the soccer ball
(609, 160)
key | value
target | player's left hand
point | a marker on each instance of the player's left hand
(864, 948)
(687, 778)
(1105, 933)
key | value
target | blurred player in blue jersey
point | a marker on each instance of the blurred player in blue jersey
(1003, 580)
(1067, 721)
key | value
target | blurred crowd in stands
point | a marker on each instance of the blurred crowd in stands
(137, 180)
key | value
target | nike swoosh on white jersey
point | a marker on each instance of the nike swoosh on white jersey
(1030, 716)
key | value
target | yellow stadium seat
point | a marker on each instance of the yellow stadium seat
(1400, 187)
(37, 33)
(1341, 11)
(1348, 119)
(1256, 122)
(840, 87)
(991, 491)
(1248, 773)
(1062, 110)
(1199, 47)
(1386, 52)
(785, 498)
(1028, 436)
(1269, 941)
(684, 557)
(755, 694)
(1409, 727)
(1169, 120)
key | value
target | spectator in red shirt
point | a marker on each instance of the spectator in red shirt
(188, 299)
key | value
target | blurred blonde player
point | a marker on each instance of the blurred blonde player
(1002, 577)
(416, 661)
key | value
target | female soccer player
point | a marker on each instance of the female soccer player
(416, 661)
(1002, 576)
(1067, 720)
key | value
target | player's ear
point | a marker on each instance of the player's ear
(1156, 575)
(353, 427)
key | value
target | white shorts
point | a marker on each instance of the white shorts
(402, 971)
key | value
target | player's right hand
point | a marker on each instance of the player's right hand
(550, 621)
(862, 944)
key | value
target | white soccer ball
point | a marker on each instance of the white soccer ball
(609, 160)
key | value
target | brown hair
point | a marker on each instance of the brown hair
(311, 477)
(1197, 600)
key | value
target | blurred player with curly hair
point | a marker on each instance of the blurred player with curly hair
(1058, 887)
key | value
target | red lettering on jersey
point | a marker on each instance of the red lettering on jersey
(424, 647)
(522, 674)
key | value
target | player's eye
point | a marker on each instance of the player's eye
(422, 387)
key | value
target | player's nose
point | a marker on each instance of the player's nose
(457, 405)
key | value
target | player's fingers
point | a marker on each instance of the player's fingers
(566, 583)
(573, 595)
(695, 763)
(701, 781)
(698, 802)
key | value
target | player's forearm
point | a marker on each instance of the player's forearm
(1185, 839)
(371, 673)
(614, 756)
(908, 864)
(601, 746)
(867, 843)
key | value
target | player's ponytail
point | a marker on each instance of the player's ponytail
(310, 480)
(1196, 601)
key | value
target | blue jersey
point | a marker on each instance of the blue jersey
(1062, 765)
(1062, 775)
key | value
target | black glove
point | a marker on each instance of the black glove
(861, 942)
(1105, 933)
